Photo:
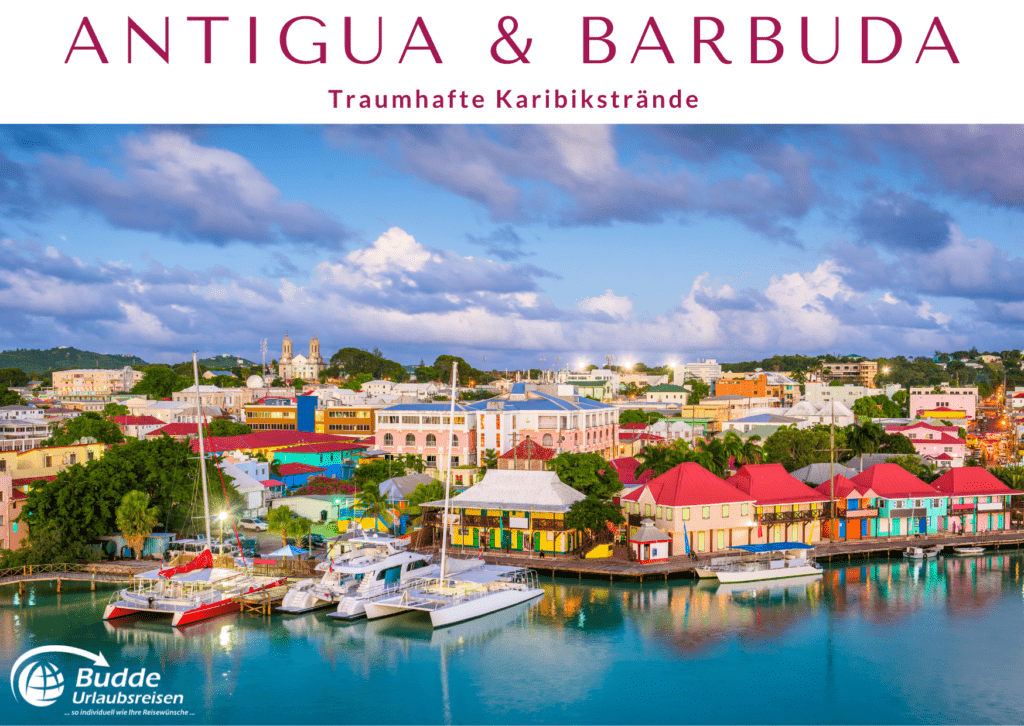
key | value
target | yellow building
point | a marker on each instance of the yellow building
(95, 380)
(347, 420)
(46, 461)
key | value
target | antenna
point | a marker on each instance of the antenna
(263, 350)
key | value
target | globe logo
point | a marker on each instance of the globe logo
(41, 683)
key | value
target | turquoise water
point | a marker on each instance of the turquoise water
(875, 642)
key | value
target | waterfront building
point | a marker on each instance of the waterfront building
(856, 508)
(815, 474)
(978, 501)
(335, 458)
(649, 544)
(626, 467)
(786, 508)
(690, 499)
(520, 511)
(12, 499)
(906, 505)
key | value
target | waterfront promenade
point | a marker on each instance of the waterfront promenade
(619, 568)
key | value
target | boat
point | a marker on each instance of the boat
(709, 570)
(790, 585)
(461, 589)
(194, 591)
(920, 553)
(372, 567)
(781, 559)
(969, 550)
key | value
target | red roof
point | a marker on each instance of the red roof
(529, 449)
(28, 480)
(323, 447)
(626, 469)
(640, 426)
(267, 440)
(689, 485)
(18, 494)
(176, 429)
(891, 481)
(639, 436)
(771, 484)
(940, 457)
(296, 468)
(843, 488)
(894, 429)
(944, 409)
(971, 481)
(137, 421)
(271, 483)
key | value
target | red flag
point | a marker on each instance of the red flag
(759, 532)
(204, 560)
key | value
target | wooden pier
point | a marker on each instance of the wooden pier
(68, 572)
(619, 568)
(262, 602)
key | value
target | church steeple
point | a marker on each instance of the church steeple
(286, 349)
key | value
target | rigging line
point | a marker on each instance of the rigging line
(223, 488)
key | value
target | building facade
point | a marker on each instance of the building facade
(306, 368)
(95, 380)
(862, 372)
(964, 399)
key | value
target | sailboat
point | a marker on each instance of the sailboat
(194, 591)
(463, 589)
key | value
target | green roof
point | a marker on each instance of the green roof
(668, 388)
(590, 383)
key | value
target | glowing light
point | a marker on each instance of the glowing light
(222, 516)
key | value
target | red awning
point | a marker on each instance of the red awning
(204, 560)
(963, 506)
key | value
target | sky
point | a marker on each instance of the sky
(513, 245)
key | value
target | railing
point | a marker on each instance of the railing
(478, 520)
(803, 515)
(63, 568)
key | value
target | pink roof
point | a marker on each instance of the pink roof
(529, 449)
(944, 409)
(322, 447)
(894, 429)
(844, 488)
(626, 469)
(941, 457)
(137, 421)
(176, 429)
(267, 440)
(892, 481)
(771, 484)
(296, 468)
(271, 483)
(971, 481)
(944, 439)
(638, 436)
(640, 426)
(689, 485)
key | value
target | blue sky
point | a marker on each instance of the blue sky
(513, 243)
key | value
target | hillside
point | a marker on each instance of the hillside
(38, 361)
(225, 362)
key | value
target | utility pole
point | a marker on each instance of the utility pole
(832, 475)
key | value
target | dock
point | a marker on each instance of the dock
(618, 568)
(262, 602)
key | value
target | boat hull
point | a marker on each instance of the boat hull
(704, 572)
(479, 607)
(770, 574)
(969, 550)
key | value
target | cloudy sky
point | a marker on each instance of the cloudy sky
(513, 243)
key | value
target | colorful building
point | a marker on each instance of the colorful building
(528, 455)
(422, 429)
(978, 501)
(753, 388)
(137, 426)
(521, 511)
(941, 444)
(336, 458)
(856, 509)
(906, 505)
(649, 544)
(787, 510)
(963, 400)
(12, 500)
(690, 501)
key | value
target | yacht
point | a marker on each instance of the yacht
(921, 553)
(780, 559)
(460, 589)
(373, 566)
(194, 591)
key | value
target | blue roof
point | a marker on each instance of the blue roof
(541, 402)
(519, 388)
(440, 407)
(774, 547)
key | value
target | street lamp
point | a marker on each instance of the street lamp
(222, 516)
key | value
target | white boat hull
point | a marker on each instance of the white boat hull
(969, 550)
(769, 574)
(490, 603)
(704, 572)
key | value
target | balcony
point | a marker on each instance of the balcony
(857, 513)
(804, 515)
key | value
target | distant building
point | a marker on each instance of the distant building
(667, 393)
(963, 399)
(862, 372)
(95, 380)
(290, 367)
(706, 370)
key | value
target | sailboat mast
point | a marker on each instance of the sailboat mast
(448, 469)
(202, 451)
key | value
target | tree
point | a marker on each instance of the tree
(587, 473)
(86, 425)
(489, 460)
(13, 378)
(374, 503)
(281, 521)
(115, 409)
(425, 374)
(161, 382)
(10, 398)
(796, 448)
(895, 444)
(636, 415)
(355, 383)
(1011, 476)
(657, 460)
(864, 439)
(430, 492)
(592, 515)
(926, 472)
(223, 427)
(467, 373)
(699, 390)
(414, 462)
(136, 520)
(376, 471)
(751, 452)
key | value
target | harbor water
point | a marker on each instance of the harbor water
(872, 642)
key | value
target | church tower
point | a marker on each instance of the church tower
(314, 351)
(286, 349)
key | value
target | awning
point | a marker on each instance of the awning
(774, 547)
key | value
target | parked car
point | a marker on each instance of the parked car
(251, 547)
(312, 541)
(254, 523)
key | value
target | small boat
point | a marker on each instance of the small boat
(790, 585)
(969, 550)
(708, 571)
(781, 559)
(920, 553)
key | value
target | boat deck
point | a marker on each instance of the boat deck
(264, 601)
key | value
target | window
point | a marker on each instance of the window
(936, 503)
(706, 513)
(431, 440)
(547, 440)
(686, 513)
(669, 514)
(389, 440)
(410, 419)
(431, 461)
(744, 510)
(725, 510)
(455, 441)
(497, 422)
(48, 461)
(647, 510)
(410, 440)
(497, 441)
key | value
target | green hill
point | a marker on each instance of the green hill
(224, 362)
(38, 361)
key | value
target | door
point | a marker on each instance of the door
(778, 532)
(922, 526)
(536, 541)
(990, 522)
(519, 540)
(842, 528)
(506, 539)
(721, 539)
(864, 527)
(700, 542)
(895, 527)
(476, 537)
(1001, 521)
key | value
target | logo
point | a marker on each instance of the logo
(40, 682)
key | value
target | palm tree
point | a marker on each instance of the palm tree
(374, 503)
(414, 462)
(717, 456)
(423, 493)
(489, 460)
(655, 459)
(136, 519)
(864, 439)
(732, 446)
(751, 452)
(279, 519)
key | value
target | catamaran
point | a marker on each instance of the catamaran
(461, 589)
(373, 567)
(196, 590)
(781, 559)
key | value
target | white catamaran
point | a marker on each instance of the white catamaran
(194, 591)
(781, 559)
(461, 589)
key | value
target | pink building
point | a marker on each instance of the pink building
(422, 429)
(786, 508)
(957, 402)
(978, 501)
(940, 444)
